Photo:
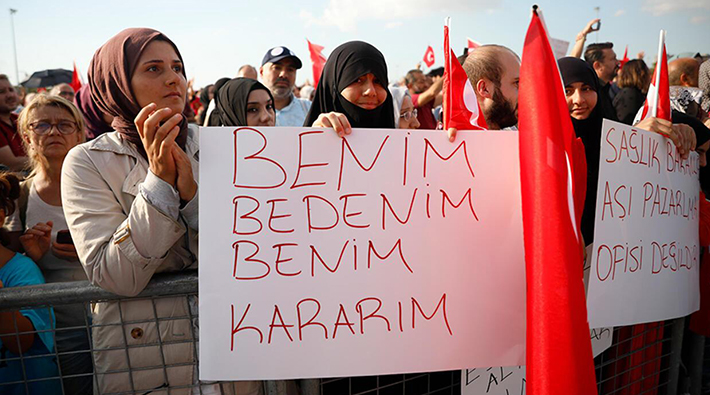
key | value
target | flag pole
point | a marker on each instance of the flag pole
(447, 55)
(447, 64)
(14, 44)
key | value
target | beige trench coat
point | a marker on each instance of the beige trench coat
(122, 240)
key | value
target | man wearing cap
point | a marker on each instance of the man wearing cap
(278, 73)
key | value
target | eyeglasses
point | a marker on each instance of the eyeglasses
(409, 115)
(64, 127)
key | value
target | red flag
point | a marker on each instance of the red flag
(472, 44)
(429, 56)
(75, 79)
(318, 61)
(658, 99)
(461, 110)
(559, 352)
(625, 59)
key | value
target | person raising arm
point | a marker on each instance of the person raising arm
(581, 38)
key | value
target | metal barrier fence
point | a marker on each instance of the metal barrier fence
(643, 359)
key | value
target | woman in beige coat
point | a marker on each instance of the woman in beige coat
(130, 200)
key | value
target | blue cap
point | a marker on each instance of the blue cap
(277, 53)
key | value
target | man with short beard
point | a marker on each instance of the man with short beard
(278, 73)
(12, 153)
(602, 58)
(494, 72)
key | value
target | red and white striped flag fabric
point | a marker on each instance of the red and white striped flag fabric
(429, 56)
(471, 44)
(658, 99)
(461, 109)
(318, 61)
(75, 79)
(559, 352)
(625, 59)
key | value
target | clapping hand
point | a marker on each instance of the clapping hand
(158, 130)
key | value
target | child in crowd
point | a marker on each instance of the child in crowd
(25, 335)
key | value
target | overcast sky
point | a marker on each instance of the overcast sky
(215, 38)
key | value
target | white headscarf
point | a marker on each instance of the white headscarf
(398, 95)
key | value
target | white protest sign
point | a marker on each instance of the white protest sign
(511, 380)
(506, 380)
(601, 339)
(389, 251)
(645, 259)
(559, 47)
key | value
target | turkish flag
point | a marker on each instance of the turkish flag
(625, 59)
(429, 56)
(658, 99)
(461, 110)
(472, 44)
(75, 79)
(552, 174)
(318, 61)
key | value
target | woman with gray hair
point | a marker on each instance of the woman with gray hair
(50, 126)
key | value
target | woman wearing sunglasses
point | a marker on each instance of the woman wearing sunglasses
(50, 126)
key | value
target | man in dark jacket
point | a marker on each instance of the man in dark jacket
(602, 58)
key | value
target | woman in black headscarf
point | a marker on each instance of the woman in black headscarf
(700, 320)
(243, 102)
(213, 102)
(352, 91)
(581, 87)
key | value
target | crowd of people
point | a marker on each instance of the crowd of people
(101, 184)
